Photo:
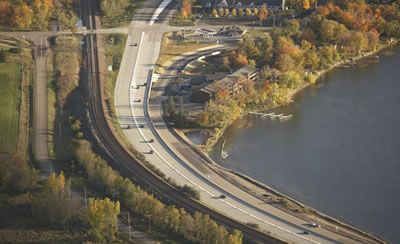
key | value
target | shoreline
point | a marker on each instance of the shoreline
(287, 203)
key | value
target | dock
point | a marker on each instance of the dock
(272, 115)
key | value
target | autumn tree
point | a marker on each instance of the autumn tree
(186, 9)
(291, 28)
(102, 216)
(255, 11)
(214, 12)
(234, 12)
(15, 173)
(241, 13)
(248, 12)
(22, 16)
(308, 35)
(222, 93)
(221, 12)
(227, 12)
(5, 12)
(241, 60)
(262, 14)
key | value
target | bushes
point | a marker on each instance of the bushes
(3, 56)
(15, 50)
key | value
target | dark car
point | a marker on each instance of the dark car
(145, 84)
(222, 197)
(141, 126)
(151, 151)
(151, 140)
(134, 45)
(306, 232)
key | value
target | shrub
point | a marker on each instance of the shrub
(15, 50)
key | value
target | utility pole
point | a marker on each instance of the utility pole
(149, 215)
(84, 188)
(22, 58)
(129, 226)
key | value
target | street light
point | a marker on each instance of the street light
(149, 215)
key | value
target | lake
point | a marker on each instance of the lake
(339, 153)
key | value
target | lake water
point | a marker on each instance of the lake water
(340, 152)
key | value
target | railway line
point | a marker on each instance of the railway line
(126, 162)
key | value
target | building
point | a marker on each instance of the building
(232, 82)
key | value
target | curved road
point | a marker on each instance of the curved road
(172, 157)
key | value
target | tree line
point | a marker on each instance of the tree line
(36, 14)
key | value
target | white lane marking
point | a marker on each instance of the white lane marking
(159, 10)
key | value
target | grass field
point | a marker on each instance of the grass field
(172, 47)
(10, 94)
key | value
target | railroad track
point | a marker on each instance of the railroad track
(127, 163)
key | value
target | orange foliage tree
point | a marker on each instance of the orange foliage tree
(222, 94)
(5, 12)
(241, 60)
(186, 9)
(263, 13)
(22, 17)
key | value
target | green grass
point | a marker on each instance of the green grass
(10, 95)
(257, 33)
(51, 104)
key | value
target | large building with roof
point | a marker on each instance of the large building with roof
(232, 82)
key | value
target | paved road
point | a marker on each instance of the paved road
(175, 159)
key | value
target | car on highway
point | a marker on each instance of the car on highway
(151, 140)
(134, 45)
(222, 196)
(141, 126)
(313, 224)
(151, 152)
(306, 232)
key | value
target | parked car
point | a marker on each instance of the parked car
(139, 100)
(141, 126)
(151, 151)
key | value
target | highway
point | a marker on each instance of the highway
(178, 161)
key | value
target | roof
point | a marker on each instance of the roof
(229, 80)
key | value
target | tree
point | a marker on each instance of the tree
(234, 13)
(241, 13)
(240, 60)
(291, 79)
(102, 216)
(248, 12)
(221, 12)
(227, 12)
(308, 35)
(291, 28)
(5, 12)
(181, 108)
(214, 12)
(171, 107)
(22, 16)
(186, 9)
(255, 11)
(262, 14)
